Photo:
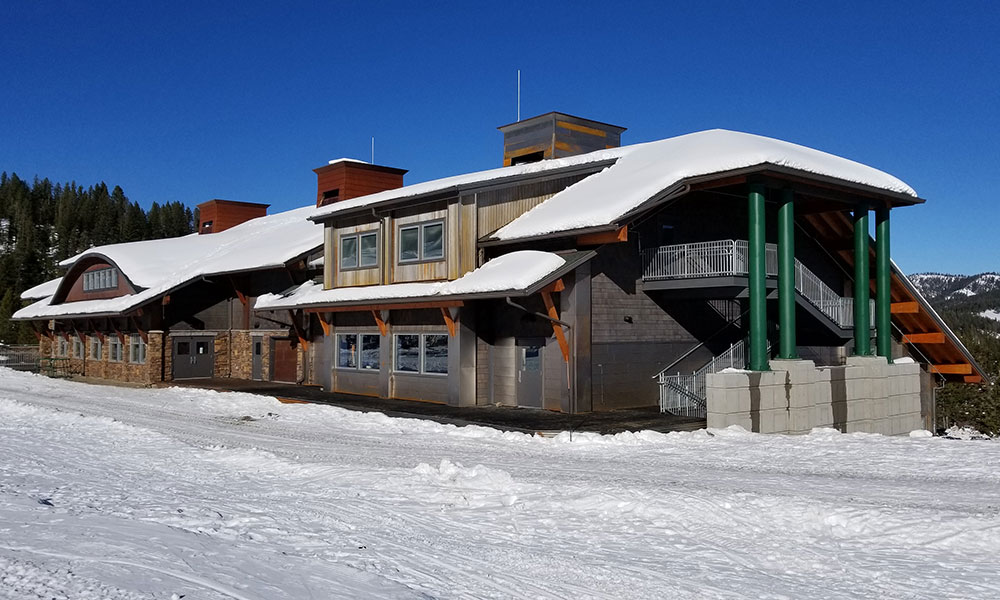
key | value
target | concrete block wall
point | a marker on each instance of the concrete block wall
(866, 395)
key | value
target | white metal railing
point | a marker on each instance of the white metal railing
(732, 258)
(685, 395)
(21, 358)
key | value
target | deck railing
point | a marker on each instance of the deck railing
(731, 258)
(21, 358)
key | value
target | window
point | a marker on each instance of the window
(137, 349)
(77, 347)
(426, 353)
(115, 349)
(421, 242)
(359, 251)
(62, 347)
(352, 356)
(101, 279)
(95, 348)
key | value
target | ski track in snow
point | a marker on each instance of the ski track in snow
(110, 492)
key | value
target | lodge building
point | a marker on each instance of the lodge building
(580, 276)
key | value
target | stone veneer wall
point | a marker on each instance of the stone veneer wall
(241, 355)
(866, 395)
(223, 364)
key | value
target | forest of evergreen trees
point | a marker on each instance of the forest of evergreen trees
(42, 223)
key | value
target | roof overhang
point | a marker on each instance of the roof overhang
(375, 301)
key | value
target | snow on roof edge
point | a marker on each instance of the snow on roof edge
(512, 272)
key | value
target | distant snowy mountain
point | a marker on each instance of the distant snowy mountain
(942, 286)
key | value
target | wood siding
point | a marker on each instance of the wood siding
(496, 208)
(76, 293)
(423, 271)
(355, 277)
(223, 214)
(352, 180)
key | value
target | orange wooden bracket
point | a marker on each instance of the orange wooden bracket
(239, 294)
(924, 338)
(550, 307)
(323, 323)
(65, 335)
(142, 334)
(166, 300)
(380, 322)
(555, 286)
(973, 379)
(448, 320)
(908, 308)
(956, 369)
(98, 333)
(118, 334)
(604, 237)
(298, 331)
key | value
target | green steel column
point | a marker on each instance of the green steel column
(757, 276)
(786, 276)
(883, 300)
(862, 318)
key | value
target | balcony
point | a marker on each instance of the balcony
(730, 259)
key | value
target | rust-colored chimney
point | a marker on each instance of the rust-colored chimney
(556, 135)
(347, 178)
(218, 215)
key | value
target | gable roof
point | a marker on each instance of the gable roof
(158, 266)
(636, 174)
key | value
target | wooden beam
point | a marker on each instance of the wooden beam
(298, 330)
(166, 300)
(447, 321)
(973, 379)
(555, 286)
(324, 324)
(382, 329)
(118, 334)
(368, 307)
(956, 369)
(550, 307)
(137, 327)
(905, 308)
(924, 338)
(604, 237)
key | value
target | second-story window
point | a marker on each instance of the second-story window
(101, 279)
(421, 242)
(359, 251)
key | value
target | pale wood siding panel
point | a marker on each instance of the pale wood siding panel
(354, 277)
(497, 208)
(428, 271)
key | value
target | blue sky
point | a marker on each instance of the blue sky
(241, 100)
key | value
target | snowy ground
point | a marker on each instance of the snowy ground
(167, 493)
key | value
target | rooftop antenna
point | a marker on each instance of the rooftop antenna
(373, 149)
(519, 95)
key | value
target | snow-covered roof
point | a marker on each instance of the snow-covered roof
(158, 266)
(508, 274)
(42, 290)
(638, 174)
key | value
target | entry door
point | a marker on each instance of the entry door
(258, 357)
(284, 357)
(529, 372)
(193, 357)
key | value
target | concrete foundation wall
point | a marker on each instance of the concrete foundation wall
(866, 395)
